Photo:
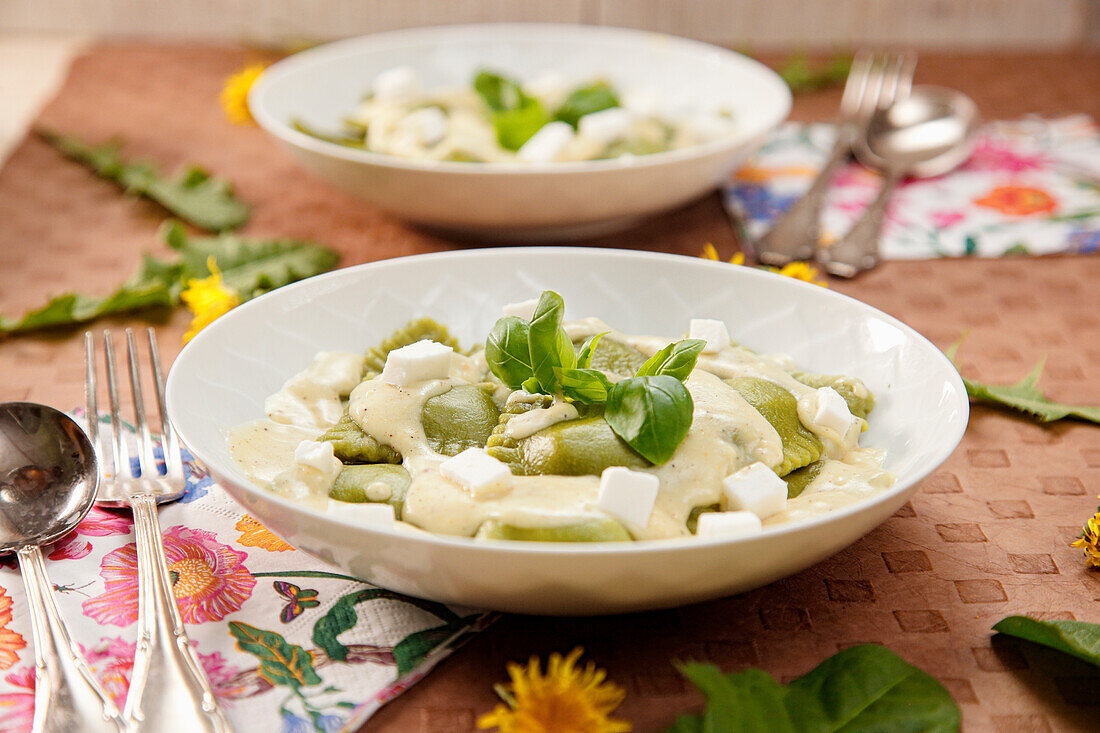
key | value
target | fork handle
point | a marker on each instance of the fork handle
(169, 691)
(858, 250)
(67, 696)
(794, 236)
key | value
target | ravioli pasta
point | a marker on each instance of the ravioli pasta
(406, 444)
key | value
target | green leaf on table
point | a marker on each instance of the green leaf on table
(281, 663)
(193, 195)
(1077, 638)
(863, 688)
(652, 414)
(584, 101)
(252, 266)
(1024, 396)
(801, 76)
(676, 360)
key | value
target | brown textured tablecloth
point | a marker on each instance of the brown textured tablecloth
(986, 536)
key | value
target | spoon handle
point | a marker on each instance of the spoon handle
(858, 249)
(169, 691)
(67, 696)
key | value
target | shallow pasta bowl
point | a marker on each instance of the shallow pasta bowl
(221, 378)
(520, 202)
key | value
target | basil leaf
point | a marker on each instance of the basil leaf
(508, 351)
(584, 357)
(531, 385)
(193, 195)
(865, 687)
(675, 360)
(357, 141)
(589, 386)
(586, 100)
(652, 414)
(1077, 638)
(516, 126)
(547, 341)
(499, 92)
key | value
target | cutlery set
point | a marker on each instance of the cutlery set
(49, 472)
(890, 127)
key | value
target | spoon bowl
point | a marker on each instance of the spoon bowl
(927, 134)
(48, 475)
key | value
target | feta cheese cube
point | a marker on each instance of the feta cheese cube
(711, 331)
(319, 456)
(372, 514)
(396, 84)
(417, 362)
(524, 309)
(628, 495)
(551, 86)
(833, 414)
(728, 524)
(477, 471)
(605, 126)
(546, 144)
(755, 488)
(428, 124)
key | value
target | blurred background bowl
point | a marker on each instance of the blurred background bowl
(523, 202)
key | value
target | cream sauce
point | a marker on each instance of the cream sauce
(726, 434)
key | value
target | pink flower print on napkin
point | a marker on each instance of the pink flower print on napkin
(112, 662)
(992, 154)
(17, 708)
(945, 218)
(208, 577)
(98, 523)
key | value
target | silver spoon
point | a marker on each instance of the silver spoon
(927, 134)
(48, 478)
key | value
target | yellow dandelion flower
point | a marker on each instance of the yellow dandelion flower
(208, 298)
(1089, 541)
(738, 259)
(567, 698)
(709, 252)
(234, 96)
(801, 271)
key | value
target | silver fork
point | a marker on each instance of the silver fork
(873, 81)
(169, 691)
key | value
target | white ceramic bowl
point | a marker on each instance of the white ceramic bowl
(221, 377)
(510, 201)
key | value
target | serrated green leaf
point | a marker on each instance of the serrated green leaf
(251, 266)
(1077, 638)
(863, 688)
(1024, 396)
(193, 195)
(281, 663)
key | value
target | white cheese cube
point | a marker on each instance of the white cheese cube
(396, 84)
(707, 126)
(319, 456)
(372, 514)
(628, 495)
(642, 102)
(524, 309)
(417, 362)
(755, 488)
(429, 124)
(711, 331)
(605, 126)
(476, 471)
(551, 87)
(728, 524)
(833, 414)
(546, 144)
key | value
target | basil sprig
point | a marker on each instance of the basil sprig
(516, 115)
(651, 411)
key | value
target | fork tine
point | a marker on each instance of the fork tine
(872, 91)
(146, 460)
(119, 452)
(90, 398)
(169, 442)
(907, 66)
(856, 83)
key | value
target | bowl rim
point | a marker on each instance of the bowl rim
(329, 52)
(577, 549)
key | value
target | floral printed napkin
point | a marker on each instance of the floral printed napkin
(1032, 186)
(252, 605)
